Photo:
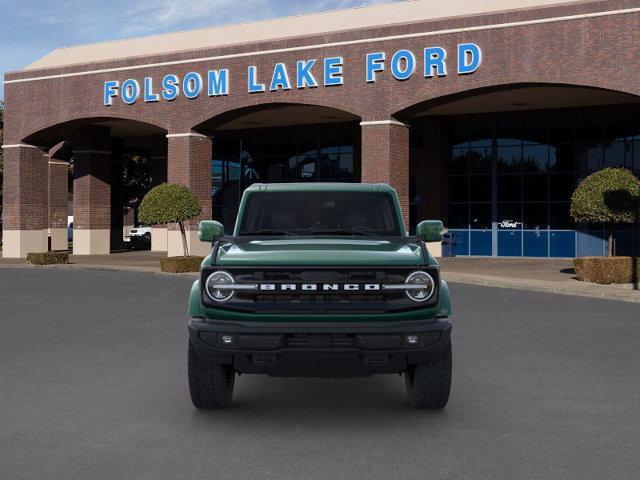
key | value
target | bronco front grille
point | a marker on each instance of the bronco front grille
(330, 298)
(335, 299)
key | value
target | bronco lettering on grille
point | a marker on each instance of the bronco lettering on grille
(325, 287)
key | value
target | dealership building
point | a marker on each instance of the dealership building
(485, 114)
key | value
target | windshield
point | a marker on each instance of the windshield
(320, 213)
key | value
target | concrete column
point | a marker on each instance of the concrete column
(92, 192)
(58, 191)
(159, 175)
(385, 157)
(24, 202)
(189, 164)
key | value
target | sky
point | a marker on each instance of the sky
(29, 29)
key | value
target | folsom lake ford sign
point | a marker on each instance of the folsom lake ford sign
(308, 73)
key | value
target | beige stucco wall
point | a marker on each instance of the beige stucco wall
(58, 238)
(435, 248)
(17, 243)
(91, 242)
(158, 239)
(196, 247)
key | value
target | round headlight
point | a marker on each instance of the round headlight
(420, 286)
(215, 286)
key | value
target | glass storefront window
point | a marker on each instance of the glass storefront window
(458, 189)
(480, 159)
(345, 165)
(510, 158)
(589, 133)
(302, 154)
(559, 217)
(458, 215)
(287, 146)
(636, 156)
(481, 188)
(535, 188)
(509, 215)
(459, 163)
(509, 187)
(508, 133)
(535, 158)
(590, 157)
(529, 166)
(535, 216)
(562, 157)
(561, 130)
(480, 136)
(618, 154)
(480, 216)
(535, 133)
(561, 186)
(307, 167)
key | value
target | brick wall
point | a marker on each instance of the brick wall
(600, 51)
(385, 158)
(25, 189)
(189, 164)
(58, 192)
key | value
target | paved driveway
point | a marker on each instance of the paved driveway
(93, 386)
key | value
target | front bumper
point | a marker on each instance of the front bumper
(330, 350)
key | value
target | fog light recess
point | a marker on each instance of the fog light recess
(412, 340)
(226, 340)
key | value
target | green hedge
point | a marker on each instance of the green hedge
(181, 264)
(607, 270)
(48, 258)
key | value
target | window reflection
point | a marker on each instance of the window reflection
(305, 154)
(510, 159)
(530, 164)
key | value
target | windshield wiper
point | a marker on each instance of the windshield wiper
(267, 232)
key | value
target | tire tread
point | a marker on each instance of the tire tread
(210, 384)
(429, 384)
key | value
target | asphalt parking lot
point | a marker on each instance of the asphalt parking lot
(93, 385)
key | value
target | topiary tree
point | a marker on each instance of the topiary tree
(170, 203)
(611, 195)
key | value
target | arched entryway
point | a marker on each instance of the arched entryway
(499, 165)
(278, 143)
(91, 172)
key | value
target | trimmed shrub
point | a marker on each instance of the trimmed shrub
(170, 203)
(181, 264)
(48, 258)
(607, 270)
(611, 195)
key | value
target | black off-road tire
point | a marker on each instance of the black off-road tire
(428, 384)
(210, 384)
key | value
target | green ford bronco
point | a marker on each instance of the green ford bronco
(320, 280)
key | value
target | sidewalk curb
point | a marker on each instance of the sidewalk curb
(580, 289)
(111, 268)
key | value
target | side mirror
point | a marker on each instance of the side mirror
(210, 230)
(430, 230)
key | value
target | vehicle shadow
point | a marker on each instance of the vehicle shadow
(346, 403)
